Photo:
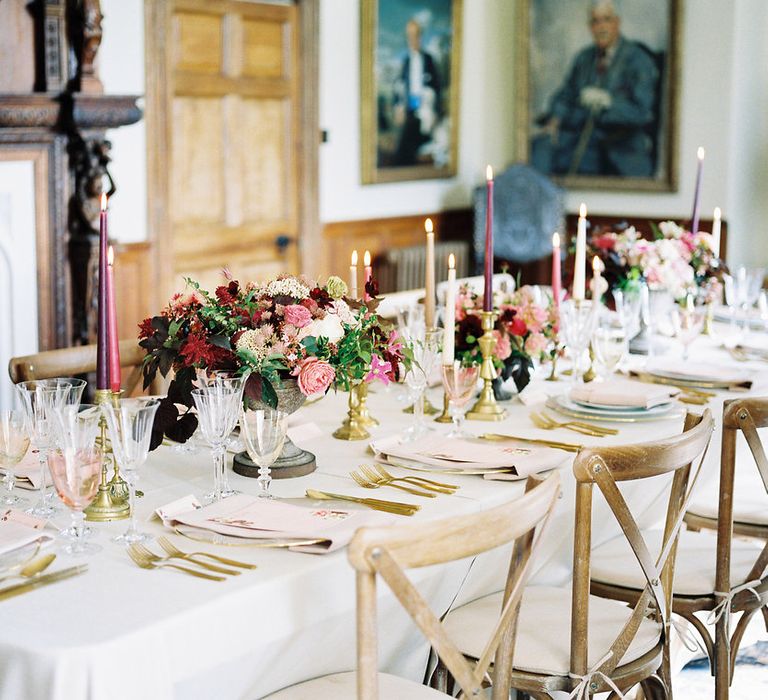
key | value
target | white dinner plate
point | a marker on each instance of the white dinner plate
(564, 405)
(610, 407)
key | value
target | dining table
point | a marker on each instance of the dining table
(119, 632)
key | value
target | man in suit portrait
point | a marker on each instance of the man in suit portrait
(417, 100)
(603, 119)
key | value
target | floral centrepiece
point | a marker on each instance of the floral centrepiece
(290, 327)
(676, 260)
(525, 330)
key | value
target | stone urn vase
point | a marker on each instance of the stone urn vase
(292, 461)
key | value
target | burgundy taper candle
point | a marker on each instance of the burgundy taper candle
(102, 352)
(488, 291)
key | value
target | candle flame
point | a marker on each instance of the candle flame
(583, 210)
(103, 201)
(597, 266)
(488, 173)
(451, 262)
(367, 258)
(555, 240)
(110, 256)
(718, 213)
(428, 227)
(354, 258)
(700, 153)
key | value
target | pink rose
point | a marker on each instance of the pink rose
(535, 344)
(297, 315)
(315, 376)
(503, 347)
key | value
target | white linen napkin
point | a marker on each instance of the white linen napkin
(624, 393)
(469, 456)
(18, 529)
(256, 518)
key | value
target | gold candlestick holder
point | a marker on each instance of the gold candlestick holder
(429, 408)
(590, 374)
(709, 320)
(445, 416)
(486, 407)
(108, 504)
(553, 373)
(352, 428)
(364, 415)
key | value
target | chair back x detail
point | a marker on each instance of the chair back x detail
(606, 468)
(388, 552)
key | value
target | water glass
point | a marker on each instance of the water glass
(688, 319)
(14, 441)
(610, 342)
(264, 433)
(577, 320)
(218, 407)
(628, 305)
(129, 422)
(40, 397)
(425, 348)
(459, 384)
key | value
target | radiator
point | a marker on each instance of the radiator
(403, 268)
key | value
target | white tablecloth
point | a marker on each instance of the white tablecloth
(120, 632)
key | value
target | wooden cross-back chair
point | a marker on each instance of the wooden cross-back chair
(81, 359)
(388, 551)
(608, 647)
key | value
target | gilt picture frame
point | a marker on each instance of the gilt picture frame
(409, 89)
(597, 92)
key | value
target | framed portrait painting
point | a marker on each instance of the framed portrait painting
(597, 92)
(409, 102)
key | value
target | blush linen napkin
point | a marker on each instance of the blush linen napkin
(507, 461)
(624, 393)
(27, 472)
(17, 529)
(256, 518)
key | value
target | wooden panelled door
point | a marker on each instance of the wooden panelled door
(225, 132)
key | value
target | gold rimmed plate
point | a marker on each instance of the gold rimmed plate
(210, 537)
(566, 407)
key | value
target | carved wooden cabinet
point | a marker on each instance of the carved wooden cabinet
(54, 113)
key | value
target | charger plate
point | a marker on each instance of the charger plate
(566, 407)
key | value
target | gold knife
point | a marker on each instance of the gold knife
(44, 580)
(567, 446)
(386, 506)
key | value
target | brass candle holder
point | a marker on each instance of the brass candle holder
(364, 415)
(486, 407)
(445, 416)
(553, 373)
(709, 320)
(111, 502)
(590, 375)
(353, 427)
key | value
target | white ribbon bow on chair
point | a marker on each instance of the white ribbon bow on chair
(724, 606)
(587, 682)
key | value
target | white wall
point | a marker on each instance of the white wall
(724, 97)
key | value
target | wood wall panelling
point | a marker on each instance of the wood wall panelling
(133, 286)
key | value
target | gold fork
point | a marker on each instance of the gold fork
(547, 424)
(387, 506)
(360, 480)
(584, 424)
(173, 550)
(388, 480)
(439, 486)
(206, 565)
(145, 563)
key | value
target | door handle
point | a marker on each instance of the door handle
(282, 242)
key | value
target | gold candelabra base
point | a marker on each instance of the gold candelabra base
(429, 408)
(445, 416)
(709, 320)
(486, 408)
(353, 427)
(590, 374)
(364, 415)
(111, 502)
(553, 373)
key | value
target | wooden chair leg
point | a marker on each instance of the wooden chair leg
(709, 645)
(738, 634)
(654, 688)
(722, 659)
(764, 610)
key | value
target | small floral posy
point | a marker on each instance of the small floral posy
(290, 327)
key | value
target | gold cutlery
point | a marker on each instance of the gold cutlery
(584, 424)
(567, 446)
(369, 483)
(32, 568)
(171, 549)
(438, 486)
(386, 506)
(142, 549)
(545, 422)
(151, 563)
(694, 400)
(43, 580)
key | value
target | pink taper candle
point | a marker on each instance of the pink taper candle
(697, 191)
(556, 274)
(488, 290)
(102, 352)
(367, 274)
(113, 343)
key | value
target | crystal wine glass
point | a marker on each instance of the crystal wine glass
(425, 348)
(688, 320)
(130, 427)
(610, 342)
(459, 384)
(218, 407)
(264, 433)
(14, 441)
(628, 306)
(40, 397)
(227, 378)
(577, 319)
